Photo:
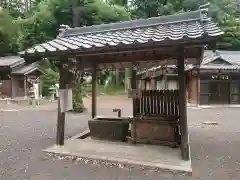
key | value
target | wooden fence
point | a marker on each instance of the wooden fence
(157, 103)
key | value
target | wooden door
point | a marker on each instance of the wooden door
(219, 92)
(204, 92)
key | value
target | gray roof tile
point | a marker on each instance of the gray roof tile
(232, 57)
(26, 69)
(11, 61)
(220, 67)
(187, 26)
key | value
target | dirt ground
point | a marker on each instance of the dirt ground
(24, 133)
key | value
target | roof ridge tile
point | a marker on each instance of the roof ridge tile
(133, 24)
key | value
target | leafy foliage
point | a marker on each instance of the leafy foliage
(78, 93)
(226, 12)
(8, 33)
(23, 25)
(49, 79)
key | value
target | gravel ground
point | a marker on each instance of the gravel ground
(215, 149)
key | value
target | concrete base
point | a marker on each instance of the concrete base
(141, 155)
(194, 106)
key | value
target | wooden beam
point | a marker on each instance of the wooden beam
(61, 115)
(94, 91)
(182, 106)
(151, 55)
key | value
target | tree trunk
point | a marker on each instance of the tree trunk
(75, 13)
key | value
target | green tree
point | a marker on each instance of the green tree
(47, 17)
(8, 33)
(226, 12)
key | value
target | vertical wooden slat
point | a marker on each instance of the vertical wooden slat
(151, 102)
(148, 102)
(141, 103)
(144, 102)
(161, 102)
(157, 98)
(155, 102)
(165, 102)
(175, 102)
(170, 102)
(137, 106)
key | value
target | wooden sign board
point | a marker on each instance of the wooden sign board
(65, 96)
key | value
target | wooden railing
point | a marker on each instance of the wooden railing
(156, 103)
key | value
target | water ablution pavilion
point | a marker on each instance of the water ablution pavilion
(159, 116)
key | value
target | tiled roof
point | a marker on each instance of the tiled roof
(219, 66)
(186, 26)
(26, 69)
(208, 57)
(11, 61)
(232, 57)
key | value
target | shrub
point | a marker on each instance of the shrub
(79, 92)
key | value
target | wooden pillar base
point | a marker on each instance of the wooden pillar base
(60, 126)
(185, 152)
(133, 132)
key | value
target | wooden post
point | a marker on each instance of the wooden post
(25, 87)
(134, 87)
(12, 90)
(198, 79)
(61, 115)
(94, 91)
(182, 106)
